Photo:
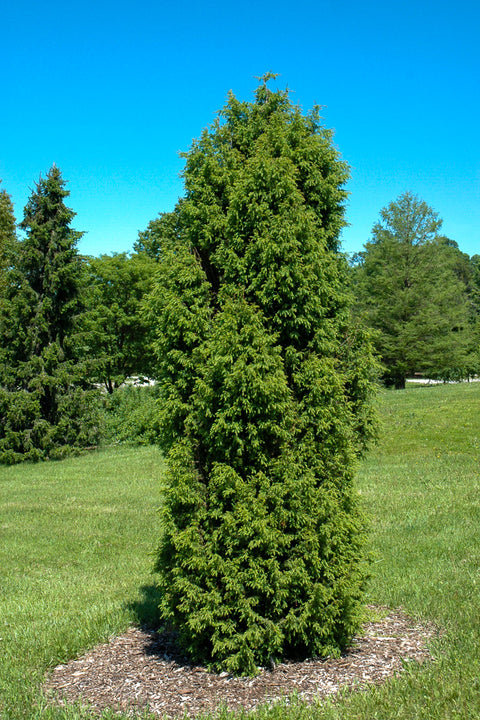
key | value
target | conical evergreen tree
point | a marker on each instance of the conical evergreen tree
(7, 236)
(266, 389)
(46, 406)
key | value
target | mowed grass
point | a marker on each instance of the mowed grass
(421, 485)
(76, 537)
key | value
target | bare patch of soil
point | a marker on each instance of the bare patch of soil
(144, 669)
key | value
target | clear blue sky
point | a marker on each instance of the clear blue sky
(112, 91)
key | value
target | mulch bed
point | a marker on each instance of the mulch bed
(144, 669)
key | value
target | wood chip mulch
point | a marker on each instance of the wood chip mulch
(143, 669)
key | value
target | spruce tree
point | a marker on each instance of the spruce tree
(266, 388)
(7, 236)
(46, 405)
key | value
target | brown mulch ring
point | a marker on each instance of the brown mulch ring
(143, 669)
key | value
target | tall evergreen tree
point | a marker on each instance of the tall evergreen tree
(46, 407)
(7, 236)
(266, 394)
(409, 287)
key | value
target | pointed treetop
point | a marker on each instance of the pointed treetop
(262, 93)
(7, 228)
(266, 77)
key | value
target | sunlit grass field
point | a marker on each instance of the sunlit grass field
(75, 553)
(75, 562)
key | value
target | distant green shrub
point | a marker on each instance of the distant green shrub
(130, 415)
(26, 436)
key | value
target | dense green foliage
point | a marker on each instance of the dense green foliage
(7, 237)
(475, 282)
(266, 389)
(116, 332)
(161, 231)
(412, 286)
(474, 294)
(130, 415)
(46, 405)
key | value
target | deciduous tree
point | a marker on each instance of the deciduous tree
(411, 292)
(163, 229)
(116, 331)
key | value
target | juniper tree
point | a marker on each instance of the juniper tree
(266, 389)
(46, 406)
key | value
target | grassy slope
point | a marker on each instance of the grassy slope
(75, 537)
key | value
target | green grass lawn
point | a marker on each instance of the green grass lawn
(75, 544)
(75, 538)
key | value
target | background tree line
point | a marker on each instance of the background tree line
(70, 324)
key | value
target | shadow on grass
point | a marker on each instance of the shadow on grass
(145, 610)
(161, 642)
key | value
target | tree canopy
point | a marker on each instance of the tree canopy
(116, 332)
(266, 386)
(159, 232)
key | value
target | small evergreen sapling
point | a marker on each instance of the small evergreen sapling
(266, 395)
